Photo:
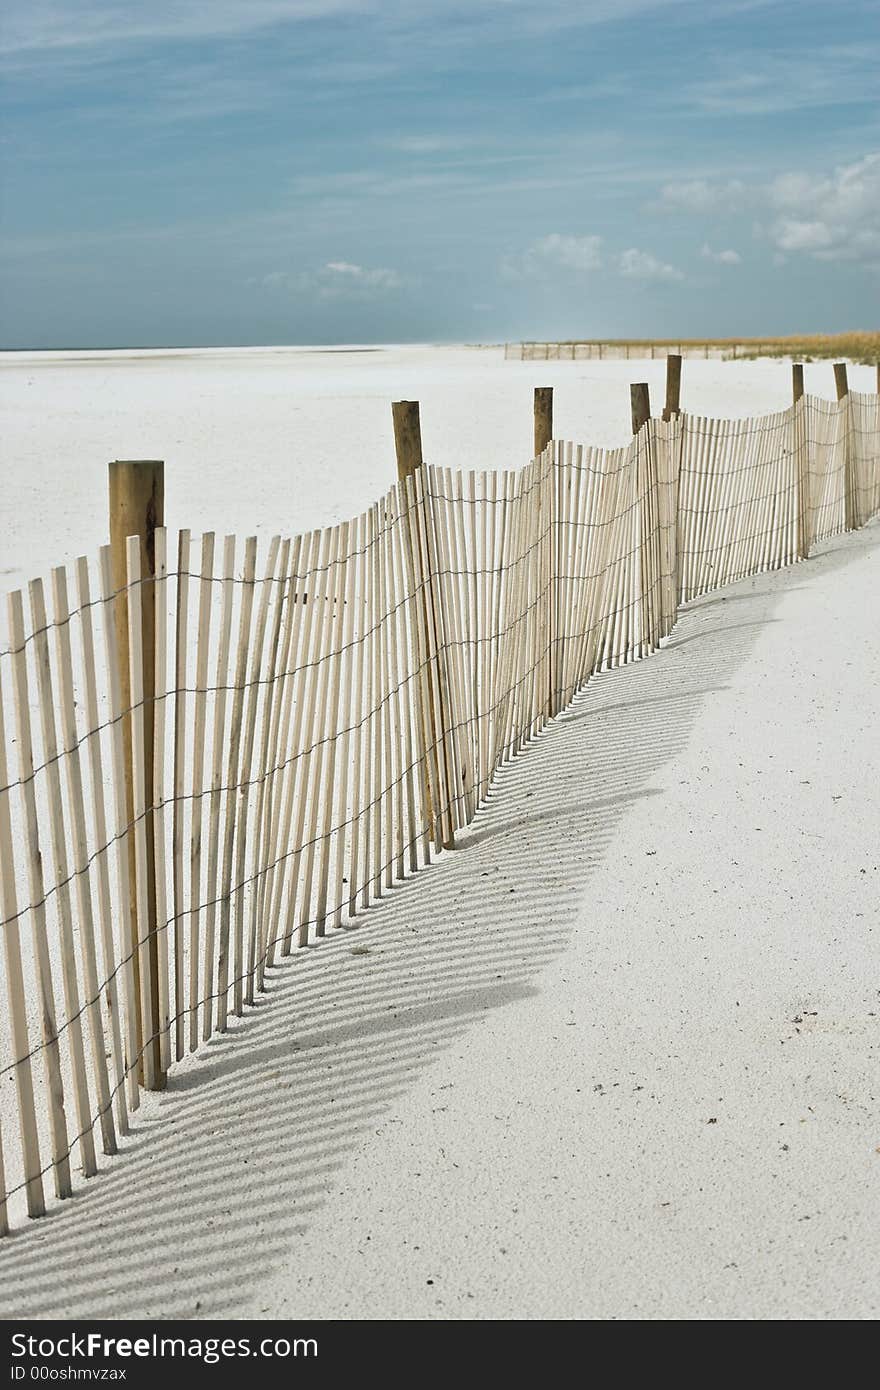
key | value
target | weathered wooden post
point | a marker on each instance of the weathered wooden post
(543, 412)
(673, 386)
(543, 409)
(137, 501)
(407, 437)
(640, 403)
(800, 457)
(842, 386)
(543, 418)
(437, 781)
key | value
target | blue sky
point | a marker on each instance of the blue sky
(283, 171)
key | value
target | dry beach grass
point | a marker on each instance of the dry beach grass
(854, 346)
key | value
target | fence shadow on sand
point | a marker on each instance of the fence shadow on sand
(226, 1170)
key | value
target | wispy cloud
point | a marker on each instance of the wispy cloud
(551, 253)
(58, 24)
(430, 144)
(642, 265)
(334, 280)
(48, 24)
(728, 257)
(773, 82)
(702, 196)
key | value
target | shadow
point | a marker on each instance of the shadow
(224, 1170)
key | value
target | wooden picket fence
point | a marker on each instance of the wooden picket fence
(211, 761)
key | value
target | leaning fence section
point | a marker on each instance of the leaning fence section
(314, 723)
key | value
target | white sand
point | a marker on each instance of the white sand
(617, 1056)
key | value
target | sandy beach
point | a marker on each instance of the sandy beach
(612, 1058)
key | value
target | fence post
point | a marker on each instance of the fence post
(842, 386)
(544, 434)
(671, 411)
(801, 458)
(543, 418)
(640, 403)
(437, 781)
(407, 437)
(137, 499)
(673, 386)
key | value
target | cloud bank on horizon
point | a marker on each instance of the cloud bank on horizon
(392, 170)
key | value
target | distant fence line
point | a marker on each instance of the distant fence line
(212, 758)
(618, 351)
(609, 350)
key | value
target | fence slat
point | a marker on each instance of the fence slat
(139, 758)
(42, 958)
(214, 806)
(271, 712)
(123, 832)
(304, 609)
(80, 856)
(314, 734)
(243, 806)
(206, 577)
(347, 715)
(181, 650)
(225, 888)
(280, 775)
(337, 622)
(15, 997)
(102, 859)
(156, 756)
(70, 983)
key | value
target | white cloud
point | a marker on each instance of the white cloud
(344, 273)
(335, 280)
(576, 252)
(832, 216)
(554, 252)
(728, 257)
(642, 265)
(701, 196)
(792, 235)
